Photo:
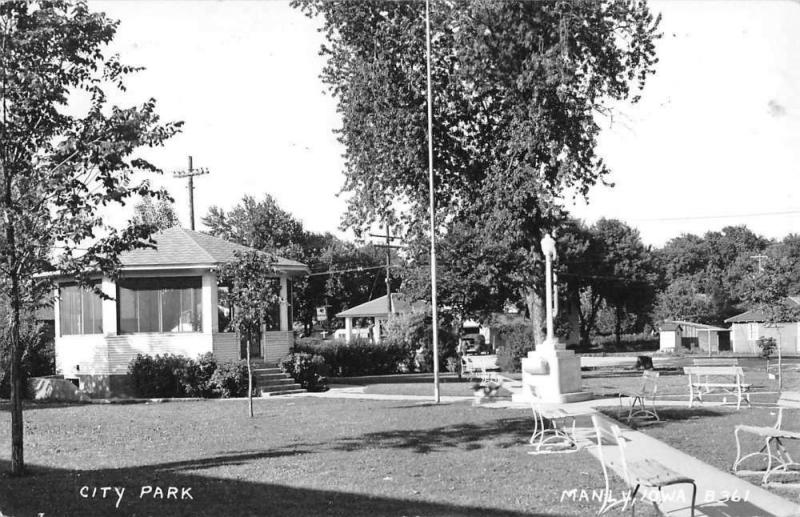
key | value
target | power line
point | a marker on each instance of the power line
(721, 216)
(334, 271)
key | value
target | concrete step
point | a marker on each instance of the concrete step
(289, 386)
(267, 370)
(275, 383)
(268, 376)
(265, 394)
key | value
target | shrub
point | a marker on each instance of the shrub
(310, 371)
(643, 342)
(230, 379)
(38, 356)
(159, 376)
(766, 345)
(196, 378)
(359, 357)
(517, 342)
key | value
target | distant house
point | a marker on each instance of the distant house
(165, 301)
(747, 327)
(697, 336)
(375, 311)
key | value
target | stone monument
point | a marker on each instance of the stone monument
(551, 373)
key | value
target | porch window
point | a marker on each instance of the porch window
(80, 311)
(160, 305)
(275, 310)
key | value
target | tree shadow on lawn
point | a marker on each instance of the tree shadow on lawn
(665, 414)
(53, 491)
(503, 433)
(30, 405)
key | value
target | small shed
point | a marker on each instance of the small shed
(670, 337)
(707, 338)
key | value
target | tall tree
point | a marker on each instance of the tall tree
(516, 89)
(58, 169)
(159, 214)
(344, 274)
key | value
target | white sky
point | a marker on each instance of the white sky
(716, 133)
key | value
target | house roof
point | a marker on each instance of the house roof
(699, 326)
(669, 327)
(755, 315)
(377, 307)
(179, 247)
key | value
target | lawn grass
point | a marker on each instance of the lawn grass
(298, 456)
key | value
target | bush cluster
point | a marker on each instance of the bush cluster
(517, 340)
(309, 370)
(177, 376)
(360, 356)
(38, 357)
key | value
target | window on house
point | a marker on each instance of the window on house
(80, 311)
(275, 310)
(752, 331)
(160, 305)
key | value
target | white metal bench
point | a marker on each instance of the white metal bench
(779, 461)
(550, 428)
(717, 379)
(646, 472)
(639, 406)
(482, 368)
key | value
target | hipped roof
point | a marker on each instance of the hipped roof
(377, 308)
(180, 248)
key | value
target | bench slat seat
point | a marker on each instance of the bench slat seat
(723, 385)
(770, 431)
(649, 473)
(637, 473)
(779, 460)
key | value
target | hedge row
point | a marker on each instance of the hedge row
(360, 356)
(178, 376)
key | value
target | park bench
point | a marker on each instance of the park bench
(639, 406)
(717, 379)
(482, 368)
(715, 361)
(550, 428)
(639, 473)
(779, 461)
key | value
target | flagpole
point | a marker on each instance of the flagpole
(435, 315)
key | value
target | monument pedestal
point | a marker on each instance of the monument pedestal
(552, 374)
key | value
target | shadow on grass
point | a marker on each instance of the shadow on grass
(666, 415)
(30, 405)
(504, 433)
(61, 492)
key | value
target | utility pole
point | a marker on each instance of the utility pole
(191, 173)
(760, 258)
(434, 308)
(389, 248)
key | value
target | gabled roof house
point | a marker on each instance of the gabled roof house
(749, 326)
(165, 301)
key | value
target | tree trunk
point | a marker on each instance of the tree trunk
(536, 310)
(618, 313)
(249, 380)
(17, 459)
